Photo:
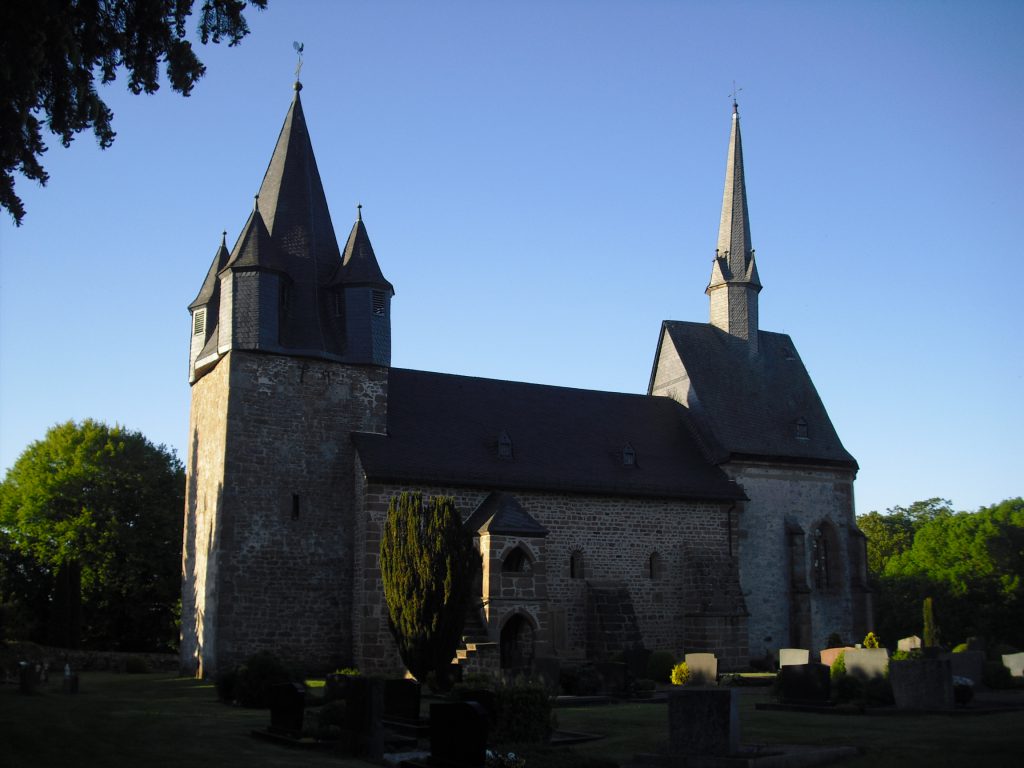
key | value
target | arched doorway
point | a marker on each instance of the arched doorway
(516, 644)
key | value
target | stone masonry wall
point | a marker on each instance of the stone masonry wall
(280, 551)
(681, 609)
(800, 497)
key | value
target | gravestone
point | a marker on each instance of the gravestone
(70, 681)
(804, 683)
(912, 643)
(792, 656)
(1015, 663)
(287, 705)
(703, 668)
(613, 673)
(867, 663)
(364, 708)
(703, 721)
(547, 670)
(636, 662)
(26, 678)
(922, 684)
(969, 664)
(336, 686)
(458, 735)
(402, 699)
(828, 656)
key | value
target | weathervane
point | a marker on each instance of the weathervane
(299, 47)
(735, 92)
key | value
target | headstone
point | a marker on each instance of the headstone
(703, 721)
(1015, 663)
(828, 656)
(636, 662)
(70, 682)
(458, 734)
(26, 678)
(364, 708)
(792, 656)
(703, 668)
(867, 663)
(402, 699)
(804, 683)
(336, 686)
(547, 670)
(485, 697)
(969, 664)
(287, 704)
(614, 675)
(922, 684)
(912, 643)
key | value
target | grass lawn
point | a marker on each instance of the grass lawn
(158, 720)
(980, 741)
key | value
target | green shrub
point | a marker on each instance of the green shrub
(522, 713)
(348, 671)
(871, 640)
(996, 675)
(680, 674)
(916, 653)
(847, 688)
(838, 668)
(254, 678)
(878, 690)
(135, 665)
(961, 648)
(659, 666)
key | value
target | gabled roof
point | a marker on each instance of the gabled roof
(502, 514)
(444, 430)
(358, 262)
(748, 406)
(209, 287)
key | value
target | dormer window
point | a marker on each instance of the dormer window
(379, 304)
(628, 456)
(199, 322)
(504, 445)
(801, 429)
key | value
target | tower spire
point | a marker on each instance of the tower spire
(734, 283)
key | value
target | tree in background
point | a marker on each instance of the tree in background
(970, 563)
(52, 52)
(90, 539)
(428, 565)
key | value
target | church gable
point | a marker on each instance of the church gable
(763, 406)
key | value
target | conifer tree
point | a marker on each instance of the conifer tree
(428, 565)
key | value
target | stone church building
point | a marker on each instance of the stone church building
(714, 513)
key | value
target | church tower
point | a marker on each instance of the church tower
(734, 283)
(289, 355)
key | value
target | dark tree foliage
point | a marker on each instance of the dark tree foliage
(970, 563)
(90, 540)
(53, 51)
(428, 566)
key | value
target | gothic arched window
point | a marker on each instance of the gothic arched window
(825, 554)
(516, 561)
(576, 565)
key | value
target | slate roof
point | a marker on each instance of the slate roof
(255, 249)
(358, 262)
(502, 514)
(444, 429)
(211, 285)
(748, 406)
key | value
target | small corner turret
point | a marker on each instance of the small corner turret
(734, 283)
(285, 287)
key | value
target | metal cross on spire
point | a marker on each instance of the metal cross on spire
(299, 48)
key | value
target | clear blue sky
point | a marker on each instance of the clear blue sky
(542, 182)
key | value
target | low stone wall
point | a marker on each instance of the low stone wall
(82, 661)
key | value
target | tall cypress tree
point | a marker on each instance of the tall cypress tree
(428, 565)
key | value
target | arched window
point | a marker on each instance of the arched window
(516, 561)
(825, 554)
(654, 567)
(504, 445)
(576, 564)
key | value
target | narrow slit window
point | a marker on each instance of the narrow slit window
(295, 506)
(379, 305)
(504, 445)
(628, 456)
(576, 565)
